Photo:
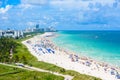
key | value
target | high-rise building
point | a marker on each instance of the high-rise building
(50, 29)
(11, 33)
(37, 26)
(1, 33)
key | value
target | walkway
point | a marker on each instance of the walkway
(66, 77)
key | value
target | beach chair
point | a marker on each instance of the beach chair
(112, 72)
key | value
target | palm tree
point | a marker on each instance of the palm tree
(7, 48)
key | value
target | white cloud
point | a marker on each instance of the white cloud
(79, 4)
(4, 17)
(70, 4)
(104, 1)
(36, 2)
(4, 10)
(25, 6)
(67, 2)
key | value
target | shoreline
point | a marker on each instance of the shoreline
(80, 55)
(45, 50)
(89, 58)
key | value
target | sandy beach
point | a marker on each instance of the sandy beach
(45, 50)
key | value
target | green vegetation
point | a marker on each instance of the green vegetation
(32, 33)
(7, 48)
(22, 55)
(78, 76)
(11, 73)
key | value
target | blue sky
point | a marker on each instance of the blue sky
(61, 14)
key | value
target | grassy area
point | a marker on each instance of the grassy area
(31, 60)
(11, 73)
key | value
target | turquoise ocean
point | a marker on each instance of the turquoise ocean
(100, 45)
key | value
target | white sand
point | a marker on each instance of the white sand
(62, 59)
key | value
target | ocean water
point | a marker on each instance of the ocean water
(100, 45)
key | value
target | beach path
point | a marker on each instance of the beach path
(66, 77)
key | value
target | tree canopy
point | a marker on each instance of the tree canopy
(7, 48)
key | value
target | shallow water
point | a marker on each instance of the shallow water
(99, 45)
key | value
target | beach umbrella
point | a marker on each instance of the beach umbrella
(118, 76)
